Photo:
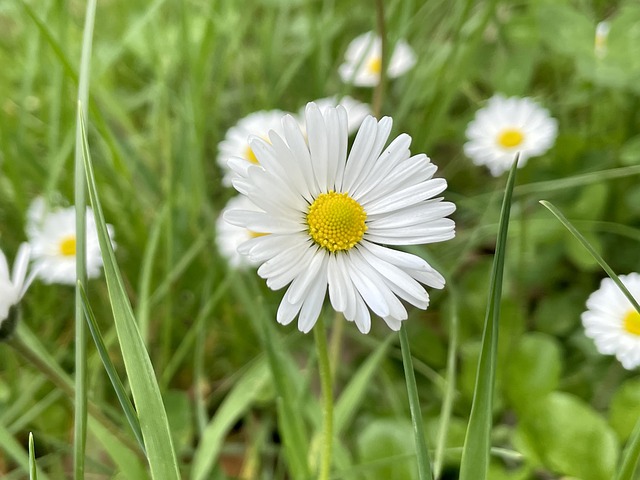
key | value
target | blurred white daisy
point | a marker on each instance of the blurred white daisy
(363, 61)
(331, 216)
(600, 44)
(13, 287)
(356, 111)
(236, 140)
(612, 322)
(229, 237)
(506, 126)
(52, 237)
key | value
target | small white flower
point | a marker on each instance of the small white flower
(612, 322)
(13, 287)
(363, 60)
(602, 33)
(331, 216)
(229, 237)
(236, 140)
(52, 236)
(507, 126)
(356, 111)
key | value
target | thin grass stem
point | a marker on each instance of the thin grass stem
(324, 368)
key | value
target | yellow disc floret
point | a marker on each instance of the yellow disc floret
(336, 221)
(249, 155)
(631, 322)
(68, 246)
(375, 65)
(510, 137)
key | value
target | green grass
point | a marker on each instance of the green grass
(228, 390)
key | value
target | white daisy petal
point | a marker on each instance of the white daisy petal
(325, 211)
(13, 287)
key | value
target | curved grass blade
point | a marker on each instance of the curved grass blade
(477, 443)
(142, 377)
(121, 393)
(631, 453)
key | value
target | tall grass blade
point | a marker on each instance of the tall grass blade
(477, 443)
(33, 470)
(80, 412)
(121, 393)
(631, 453)
(142, 377)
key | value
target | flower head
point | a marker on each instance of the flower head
(507, 126)
(13, 287)
(236, 143)
(612, 322)
(230, 237)
(331, 215)
(52, 236)
(363, 60)
(600, 43)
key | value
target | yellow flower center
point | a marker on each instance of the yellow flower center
(631, 322)
(336, 221)
(253, 234)
(68, 246)
(375, 65)
(510, 137)
(249, 155)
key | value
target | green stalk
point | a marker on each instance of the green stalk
(422, 452)
(80, 412)
(324, 367)
(477, 443)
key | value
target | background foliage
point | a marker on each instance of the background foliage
(169, 77)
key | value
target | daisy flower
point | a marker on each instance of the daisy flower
(507, 126)
(363, 60)
(356, 111)
(230, 237)
(612, 322)
(13, 287)
(52, 236)
(600, 44)
(331, 217)
(236, 144)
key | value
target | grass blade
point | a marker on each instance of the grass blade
(142, 377)
(80, 411)
(477, 443)
(631, 453)
(121, 393)
(422, 452)
(33, 471)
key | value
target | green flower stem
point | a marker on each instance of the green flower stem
(378, 93)
(422, 453)
(324, 367)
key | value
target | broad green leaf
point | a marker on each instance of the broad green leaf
(570, 438)
(625, 408)
(384, 439)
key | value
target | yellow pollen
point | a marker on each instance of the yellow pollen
(249, 155)
(253, 234)
(375, 65)
(68, 246)
(631, 322)
(510, 137)
(336, 221)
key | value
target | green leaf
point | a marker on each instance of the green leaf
(477, 444)
(384, 439)
(33, 470)
(142, 377)
(570, 438)
(532, 370)
(625, 408)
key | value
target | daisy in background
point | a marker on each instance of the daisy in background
(612, 322)
(236, 144)
(356, 111)
(14, 286)
(230, 237)
(363, 61)
(52, 237)
(331, 215)
(505, 127)
(600, 44)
